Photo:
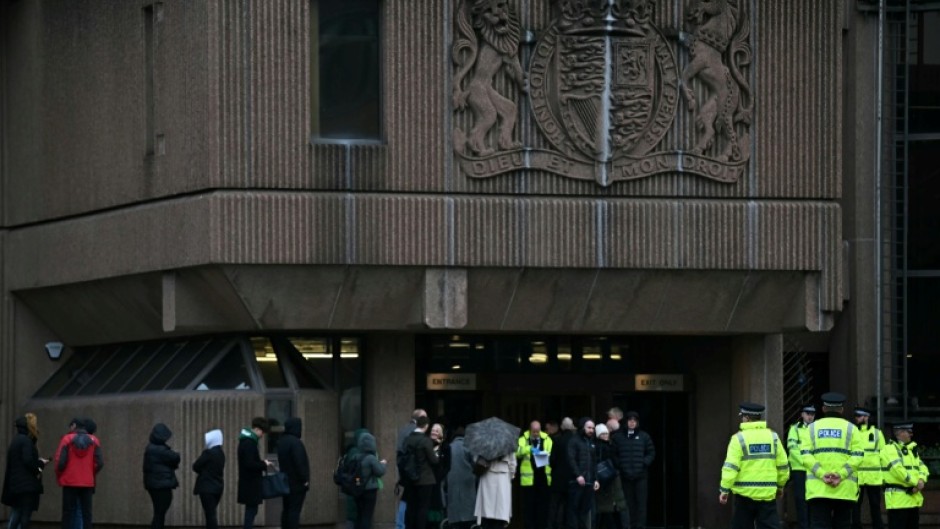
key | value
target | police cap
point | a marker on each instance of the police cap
(904, 426)
(862, 412)
(751, 409)
(808, 408)
(833, 399)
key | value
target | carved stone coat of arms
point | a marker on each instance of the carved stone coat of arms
(605, 88)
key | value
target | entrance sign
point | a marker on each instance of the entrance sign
(659, 383)
(452, 382)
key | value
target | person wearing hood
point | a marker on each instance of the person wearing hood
(371, 468)
(160, 464)
(78, 460)
(210, 481)
(292, 458)
(22, 480)
(251, 469)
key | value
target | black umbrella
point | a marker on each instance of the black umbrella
(491, 439)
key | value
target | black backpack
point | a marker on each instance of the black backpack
(408, 473)
(348, 475)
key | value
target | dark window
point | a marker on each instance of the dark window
(345, 86)
(71, 370)
(177, 363)
(200, 361)
(318, 354)
(158, 359)
(135, 361)
(230, 373)
(87, 373)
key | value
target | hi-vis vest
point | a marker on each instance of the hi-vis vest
(902, 468)
(523, 453)
(835, 447)
(797, 437)
(755, 464)
(869, 472)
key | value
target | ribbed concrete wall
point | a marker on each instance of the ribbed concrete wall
(282, 228)
(232, 102)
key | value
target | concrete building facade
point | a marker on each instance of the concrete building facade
(682, 191)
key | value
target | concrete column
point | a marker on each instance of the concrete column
(389, 400)
(757, 374)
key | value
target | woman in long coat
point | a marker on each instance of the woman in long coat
(22, 481)
(494, 493)
(461, 485)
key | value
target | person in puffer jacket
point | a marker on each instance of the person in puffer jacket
(292, 458)
(160, 464)
(77, 461)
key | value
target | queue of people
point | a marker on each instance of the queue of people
(571, 476)
(78, 460)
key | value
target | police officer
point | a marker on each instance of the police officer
(869, 473)
(755, 470)
(904, 479)
(799, 436)
(832, 457)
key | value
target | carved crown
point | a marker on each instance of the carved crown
(620, 17)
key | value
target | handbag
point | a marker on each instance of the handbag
(274, 485)
(606, 471)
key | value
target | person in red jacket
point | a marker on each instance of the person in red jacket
(77, 462)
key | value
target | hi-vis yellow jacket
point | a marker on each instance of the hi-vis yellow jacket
(797, 437)
(756, 463)
(526, 472)
(869, 472)
(834, 447)
(902, 468)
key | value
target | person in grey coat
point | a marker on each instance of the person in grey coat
(372, 468)
(461, 485)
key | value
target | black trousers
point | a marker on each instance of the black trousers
(904, 518)
(749, 514)
(874, 493)
(291, 506)
(557, 509)
(534, 512)
(635, 492)
(830, 514)
(580, 501)
(798, 491)
(210, 506)
(74, 498)
(365, 509)
(161, 500)
(418, 499)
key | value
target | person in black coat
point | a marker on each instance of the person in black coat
(583, 465)
(633, 453)
(561, 475)
(293, 461)
(22, 480)
(210, 480)
(251, 469)
(160, 464)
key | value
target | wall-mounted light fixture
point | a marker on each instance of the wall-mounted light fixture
(54, 349)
